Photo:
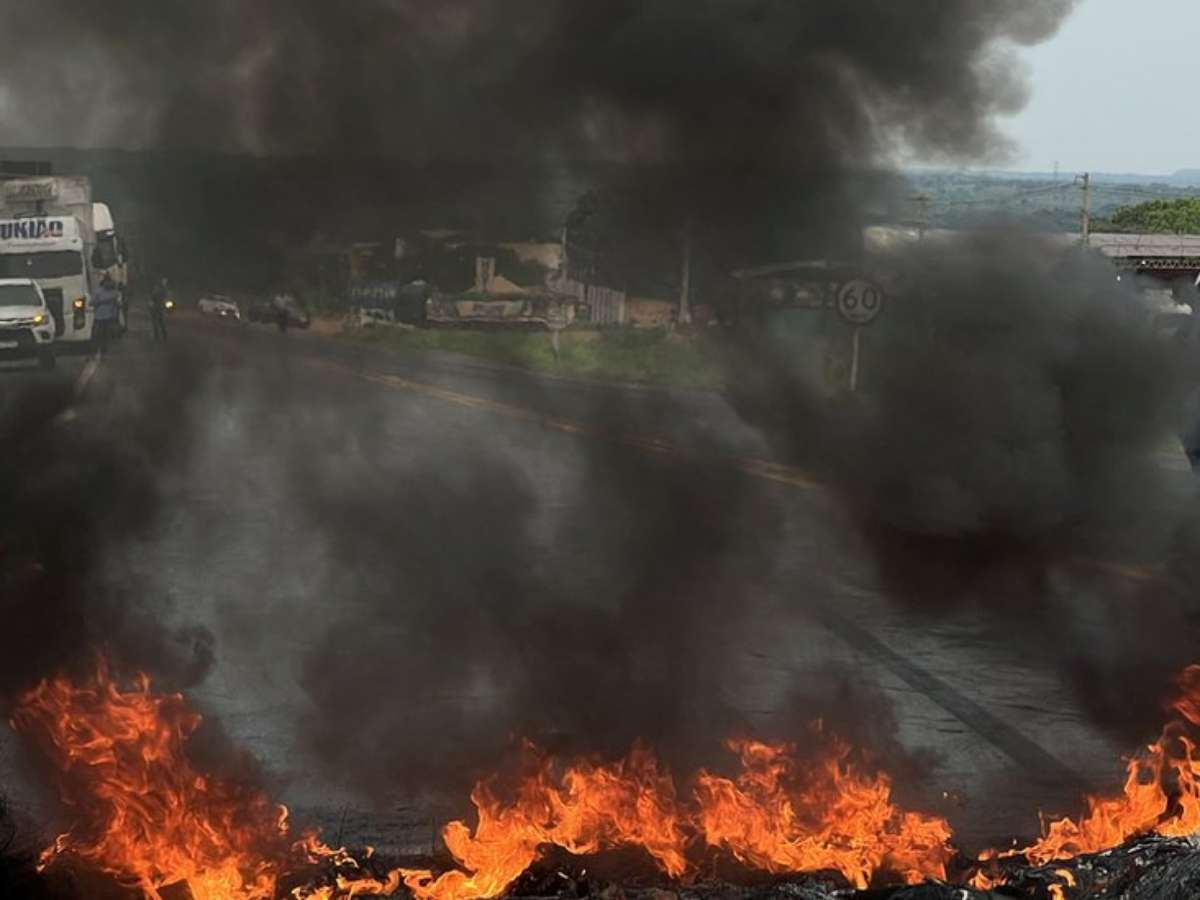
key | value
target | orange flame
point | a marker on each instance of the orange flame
(1161, 796)
(589, 807)
(146, 816)
(784, 817)
(776, 815)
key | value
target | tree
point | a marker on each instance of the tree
(1179, 216)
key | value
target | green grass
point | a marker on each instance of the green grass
(652, 356)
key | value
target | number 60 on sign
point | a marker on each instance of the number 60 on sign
(859, 302)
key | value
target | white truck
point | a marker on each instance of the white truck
(47, 234)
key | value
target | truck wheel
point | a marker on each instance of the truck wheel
(47, 359)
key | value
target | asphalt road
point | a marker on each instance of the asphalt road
(997, 733)
(18, 374)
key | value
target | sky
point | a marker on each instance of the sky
(1114, 91)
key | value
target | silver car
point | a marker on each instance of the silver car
(218, 305)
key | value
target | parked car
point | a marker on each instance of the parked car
(270, 311)
(370, 316)
(221, 306)
(260, 312)
(296, 316)
(26, 323)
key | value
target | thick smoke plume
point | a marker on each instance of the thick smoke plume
(804, 82)
(79, 492)
(1008, 420)
(471, 598)
(1005, 454)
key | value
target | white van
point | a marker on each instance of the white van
(26, 324)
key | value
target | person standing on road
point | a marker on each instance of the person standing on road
(158, 310)
(105, 302)
(279, 301)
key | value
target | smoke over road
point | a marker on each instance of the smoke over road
(1008, 433)
(1004, 454)
(78, 495)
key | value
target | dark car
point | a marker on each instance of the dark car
(269, 311)
(296, 316)
(261, 312)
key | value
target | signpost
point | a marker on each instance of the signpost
(859, 303)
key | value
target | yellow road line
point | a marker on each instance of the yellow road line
(81, 383)
(1131, 571)
(88, 373)
(757, 468)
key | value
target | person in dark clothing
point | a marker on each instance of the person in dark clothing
(105, 303)
(159, 298)
(279, 302)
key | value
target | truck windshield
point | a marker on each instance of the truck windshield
(105, 254)
(19, 295)
(50, 264)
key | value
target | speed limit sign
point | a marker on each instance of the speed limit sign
(859, 301)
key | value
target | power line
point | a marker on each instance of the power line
(1097, 189)
(1016, 195)
(1143, 192)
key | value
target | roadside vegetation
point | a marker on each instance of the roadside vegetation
(649, 356)
(1178, 216)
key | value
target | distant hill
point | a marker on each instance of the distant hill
(960, 199)
(1182, 178)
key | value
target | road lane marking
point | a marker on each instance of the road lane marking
(1034, 760)
(1031, 757)
(88, 373)
(81, 383)
(762, 469)
(1131, 571)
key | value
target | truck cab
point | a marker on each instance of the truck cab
(51, 252)
(110, 257)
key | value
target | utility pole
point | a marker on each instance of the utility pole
(685, 286)
(1085, 219)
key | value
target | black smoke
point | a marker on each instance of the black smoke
(83, 485)
(738, 113)
(474, 593)
(1005, 454)
(1002, 431)
(746, 81)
